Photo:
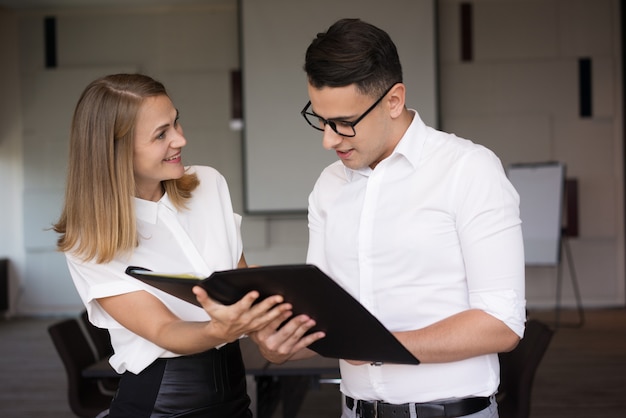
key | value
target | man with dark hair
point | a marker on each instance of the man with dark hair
(421, 226)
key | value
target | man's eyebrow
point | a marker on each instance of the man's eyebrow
(336, 118)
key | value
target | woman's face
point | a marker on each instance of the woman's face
(157, 146)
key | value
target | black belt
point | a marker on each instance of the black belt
(444, 409)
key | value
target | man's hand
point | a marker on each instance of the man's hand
(287, 342)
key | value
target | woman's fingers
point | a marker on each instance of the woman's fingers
(245, 316)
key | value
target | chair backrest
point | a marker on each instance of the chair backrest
(99, 337)
(84, 396)
(517, 370)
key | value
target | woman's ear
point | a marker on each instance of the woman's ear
(396, 100)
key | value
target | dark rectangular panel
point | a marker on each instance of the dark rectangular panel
(50, 41)
(570, 227)
(4, 284)
(236, 95)
(467, 41)
(585, 87)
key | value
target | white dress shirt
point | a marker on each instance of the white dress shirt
(432, 231)
(202, 239)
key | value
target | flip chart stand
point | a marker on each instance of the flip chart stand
(547, 199)
(570, 230)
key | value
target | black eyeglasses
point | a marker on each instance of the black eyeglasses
(343, 128)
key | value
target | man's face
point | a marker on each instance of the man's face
(373, 141)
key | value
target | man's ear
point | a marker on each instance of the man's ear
(396, 99)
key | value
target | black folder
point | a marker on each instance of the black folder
(352, 332)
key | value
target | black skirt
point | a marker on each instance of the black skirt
(210, 384)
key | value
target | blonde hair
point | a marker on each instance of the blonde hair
(98, 218)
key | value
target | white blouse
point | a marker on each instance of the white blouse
(202, 239)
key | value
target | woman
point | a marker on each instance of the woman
(130, 201)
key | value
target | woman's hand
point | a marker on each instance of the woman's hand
(230, 322)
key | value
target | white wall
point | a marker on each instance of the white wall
(518, 97)
(11, 180)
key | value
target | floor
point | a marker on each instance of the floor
(582, 375)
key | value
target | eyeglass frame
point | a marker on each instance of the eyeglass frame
(333, 123)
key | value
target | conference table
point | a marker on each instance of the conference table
(268, 384)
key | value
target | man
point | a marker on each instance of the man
(422, 227)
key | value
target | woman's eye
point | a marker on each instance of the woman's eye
(161, 135)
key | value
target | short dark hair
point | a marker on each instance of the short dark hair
(352, 51)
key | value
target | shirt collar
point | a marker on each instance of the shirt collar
(408, 147)
(412, 141)
(148, 211)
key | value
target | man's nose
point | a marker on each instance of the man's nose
(331, 138)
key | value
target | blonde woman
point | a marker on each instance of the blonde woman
(130, 201)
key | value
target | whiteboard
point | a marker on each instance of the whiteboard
(540, 187)
(282, 155)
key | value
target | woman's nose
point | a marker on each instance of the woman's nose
(180, 140)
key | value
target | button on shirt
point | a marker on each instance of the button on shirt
(201, 239)
(432, 231)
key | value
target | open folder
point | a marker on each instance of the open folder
(352, 332)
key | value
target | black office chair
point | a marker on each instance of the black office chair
(101, 341)
(99, 337)
(85, 398)
(517, 370)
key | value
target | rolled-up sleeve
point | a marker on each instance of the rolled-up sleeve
(490, 232)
